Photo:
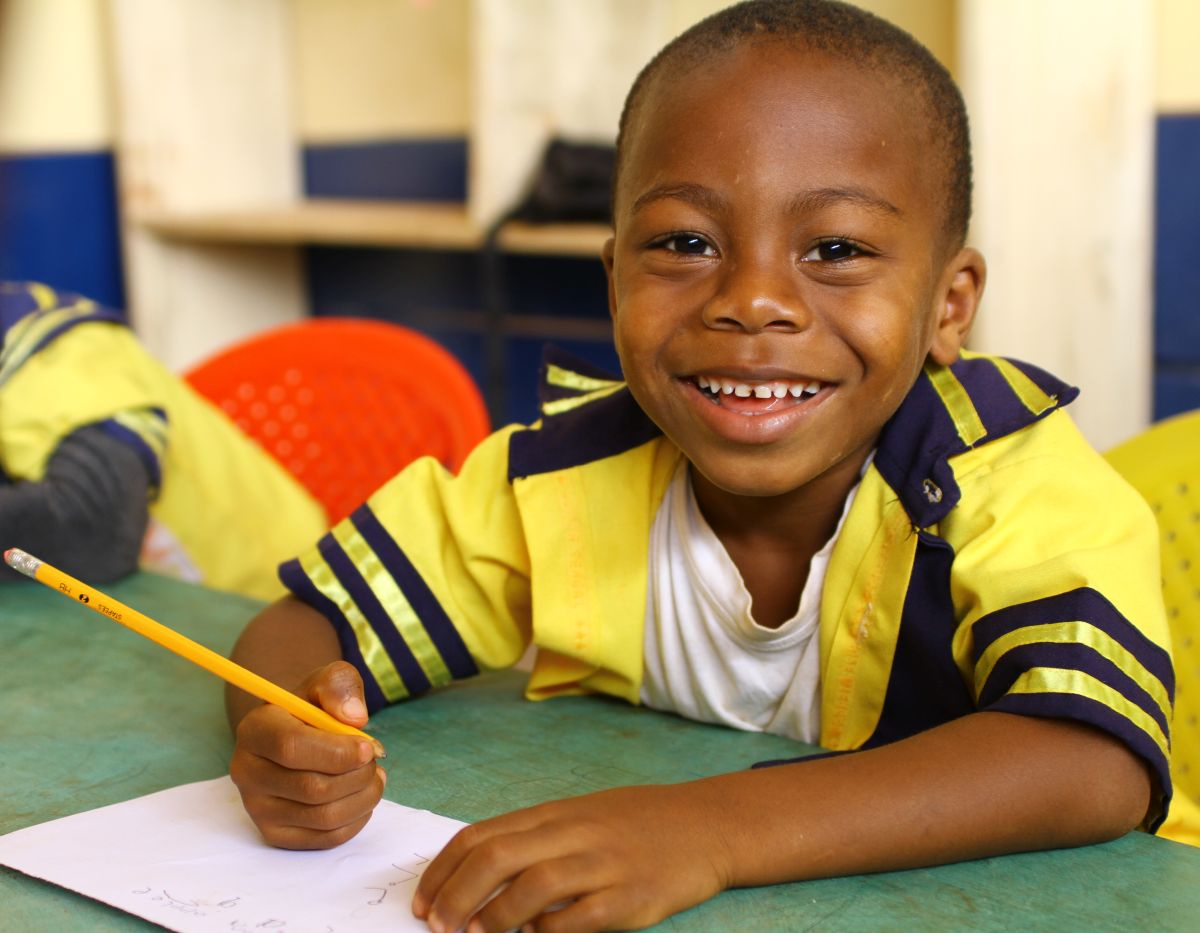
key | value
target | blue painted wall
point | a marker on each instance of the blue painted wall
(58, 223)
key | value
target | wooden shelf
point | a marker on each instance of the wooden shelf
(576, 239)
(413, 225)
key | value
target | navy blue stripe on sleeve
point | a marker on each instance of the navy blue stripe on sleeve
(441, 630)
(1075, 657)
(1084, 605)
(413, 676)
(292, 575)
(145, 452)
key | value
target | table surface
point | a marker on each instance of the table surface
(95, 714)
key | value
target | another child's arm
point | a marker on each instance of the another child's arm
(87, 515)
(303, 788)
(985, 784)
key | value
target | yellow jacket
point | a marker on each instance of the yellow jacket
(990, 560)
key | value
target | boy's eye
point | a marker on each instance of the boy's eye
(689, 244)
(836, 249)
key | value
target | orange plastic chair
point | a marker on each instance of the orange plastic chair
(345, 403)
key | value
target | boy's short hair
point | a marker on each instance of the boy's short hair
(846, 32)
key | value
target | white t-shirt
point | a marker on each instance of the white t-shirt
(705, 656)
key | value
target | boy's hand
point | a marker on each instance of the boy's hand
(621, 859)
(305, 788)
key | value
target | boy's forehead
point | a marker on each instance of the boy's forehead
(775, 67)
(776, 88)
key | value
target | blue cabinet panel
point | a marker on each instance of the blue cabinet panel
(407, 170)
(58, 223)
(1177, 240)
(1176, 390)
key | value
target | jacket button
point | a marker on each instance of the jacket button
(932, 492)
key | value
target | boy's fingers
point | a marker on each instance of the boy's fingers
(477, 873)
(338, 689)
(600, 911)
(446, 862)
(308, 788)
(306, 809)
(297, 837)
(274, 734)
(544, 886)
(324, 816)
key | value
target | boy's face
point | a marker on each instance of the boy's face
(778, 233)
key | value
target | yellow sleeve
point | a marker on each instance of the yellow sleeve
(429, 580)
(92, 373)
(1056, 571)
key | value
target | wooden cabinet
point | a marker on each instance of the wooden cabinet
(211, 194)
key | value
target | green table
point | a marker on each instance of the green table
(94, 714)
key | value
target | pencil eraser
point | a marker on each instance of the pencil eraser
(21, 562)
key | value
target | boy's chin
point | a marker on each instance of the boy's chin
(749, 482)
(779, 474)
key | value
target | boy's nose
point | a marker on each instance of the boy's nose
(758, 296)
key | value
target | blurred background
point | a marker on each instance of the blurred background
(217, 167)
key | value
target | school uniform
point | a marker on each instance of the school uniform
(990, 559)
(221, 510)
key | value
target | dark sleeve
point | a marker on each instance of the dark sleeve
(87, 516)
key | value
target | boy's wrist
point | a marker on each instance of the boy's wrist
(729, 841)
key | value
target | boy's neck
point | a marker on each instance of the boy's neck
(772, 540)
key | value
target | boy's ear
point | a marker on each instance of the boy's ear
(606, 256)
(961, 288)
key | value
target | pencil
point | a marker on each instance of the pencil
(183, 646)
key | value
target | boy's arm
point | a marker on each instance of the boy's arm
(985, 784)
(87, 515)
(302, 787)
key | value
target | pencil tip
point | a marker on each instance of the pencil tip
(378, 749)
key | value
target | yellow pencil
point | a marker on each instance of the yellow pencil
(184, 647)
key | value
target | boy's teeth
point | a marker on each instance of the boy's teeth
(781, 389)
(777, 389)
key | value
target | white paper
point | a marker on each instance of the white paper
(189, 859)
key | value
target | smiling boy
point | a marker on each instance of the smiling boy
(804, 511)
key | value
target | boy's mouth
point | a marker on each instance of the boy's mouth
(754, 397)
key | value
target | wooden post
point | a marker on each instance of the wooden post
(1061, 100)
(204, 123)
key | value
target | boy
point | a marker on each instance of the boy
(803, 512)
(108, 460)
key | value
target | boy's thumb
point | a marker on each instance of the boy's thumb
(339, 691)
